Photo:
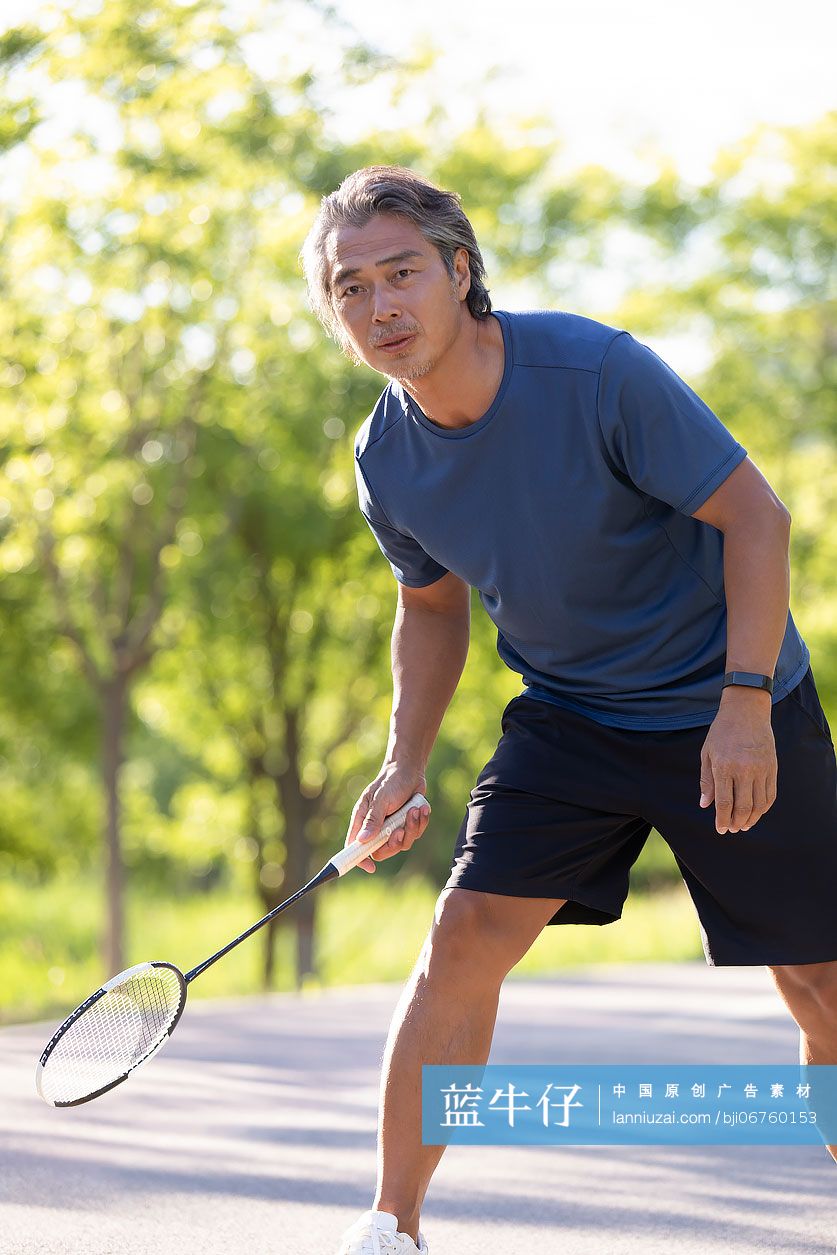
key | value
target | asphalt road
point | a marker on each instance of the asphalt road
(253, 1133)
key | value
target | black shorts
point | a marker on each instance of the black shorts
(565, 805)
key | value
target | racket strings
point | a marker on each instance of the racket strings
(113, 1035)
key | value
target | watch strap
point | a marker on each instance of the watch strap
(749, 679)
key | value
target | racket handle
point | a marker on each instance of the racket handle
(357, 851)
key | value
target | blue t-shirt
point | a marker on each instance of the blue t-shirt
(568, 506)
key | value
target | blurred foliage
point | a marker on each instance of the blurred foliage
(761, 292)
(48, 938)
(194, 618)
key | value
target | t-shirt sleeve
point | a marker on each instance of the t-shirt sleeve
(658, 432)
(410, 564)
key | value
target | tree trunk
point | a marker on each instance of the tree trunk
(306, 914)
(297, 810)
(304, 926)
(114, 698)
(269, 967)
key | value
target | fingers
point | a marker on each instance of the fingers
(359, 814)
(740, 801)
(417, 818)
(362, 812)
(405, 837)
(724, 799)
(742, 804)
(759, 805)
(733, 802)
(368, 817)
(764, 795)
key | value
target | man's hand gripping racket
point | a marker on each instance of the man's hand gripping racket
(129, 1018)
(372, 808)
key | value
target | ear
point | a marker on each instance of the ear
(462, 271)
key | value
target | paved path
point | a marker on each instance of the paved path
(253, 1133)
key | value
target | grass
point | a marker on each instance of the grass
(368, 930)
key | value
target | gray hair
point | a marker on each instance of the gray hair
(391, 190)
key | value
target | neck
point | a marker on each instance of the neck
(463, 383)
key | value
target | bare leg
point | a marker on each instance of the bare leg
(446, 1014)
(809, 991)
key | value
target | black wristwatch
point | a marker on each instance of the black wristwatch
(750, 679)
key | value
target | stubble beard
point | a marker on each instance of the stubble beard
(410, 371)
(401, 372)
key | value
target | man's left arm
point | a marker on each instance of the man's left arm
(738, 759)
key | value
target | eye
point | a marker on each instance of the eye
(351, 289)
(404, 271)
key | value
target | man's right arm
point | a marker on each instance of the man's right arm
(430, 638)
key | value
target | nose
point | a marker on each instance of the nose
(385, 306)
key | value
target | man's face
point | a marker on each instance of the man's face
(398, 307)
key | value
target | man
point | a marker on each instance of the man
(635, 563)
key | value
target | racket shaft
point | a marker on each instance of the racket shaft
(342, 862)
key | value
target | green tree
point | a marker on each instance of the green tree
(123, 260)
(759, 289)
(190, 594)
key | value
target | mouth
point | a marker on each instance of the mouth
(395, 346)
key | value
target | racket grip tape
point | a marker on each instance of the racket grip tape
(357, 851)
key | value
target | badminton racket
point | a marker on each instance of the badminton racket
(129, 1018)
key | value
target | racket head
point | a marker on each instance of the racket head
(111, 1033)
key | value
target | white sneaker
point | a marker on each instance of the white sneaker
(376, 1233)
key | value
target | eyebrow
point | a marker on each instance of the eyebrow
(343, 275)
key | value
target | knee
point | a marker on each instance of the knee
(823, 990)
(466, 934)
(812, 986)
